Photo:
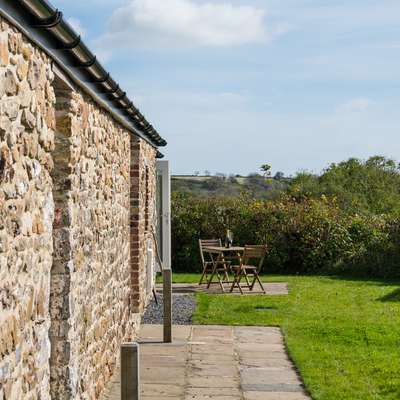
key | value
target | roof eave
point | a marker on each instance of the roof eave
(45, 26)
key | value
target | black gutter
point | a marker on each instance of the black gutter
(45, 26)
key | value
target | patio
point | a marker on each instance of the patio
(271, 289)
(214, 362)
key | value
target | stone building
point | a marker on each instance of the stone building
(77, 210)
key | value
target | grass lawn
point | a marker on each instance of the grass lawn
(343, 334)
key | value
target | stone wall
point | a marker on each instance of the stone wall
(96, 264)
(77, 198)
(26, 216)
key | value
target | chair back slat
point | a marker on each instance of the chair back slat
(208, 242)
(254, 254)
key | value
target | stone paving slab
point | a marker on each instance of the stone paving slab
(214, 362)
(274, 396)
(271, 288)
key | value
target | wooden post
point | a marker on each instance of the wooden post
(167, 299)
(130, 371)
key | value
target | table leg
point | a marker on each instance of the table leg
(215, 271)
(212, 272)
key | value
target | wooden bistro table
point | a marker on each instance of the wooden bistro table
(218, 256)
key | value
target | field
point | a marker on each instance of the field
(203, 186)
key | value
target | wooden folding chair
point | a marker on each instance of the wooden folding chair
(208, 265)
(249, 267)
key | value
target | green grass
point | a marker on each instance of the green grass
(343, 334)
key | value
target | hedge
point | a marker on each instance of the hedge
(307, 236)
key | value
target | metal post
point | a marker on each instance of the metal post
(167, 299)
(130, 371)
(165, 220)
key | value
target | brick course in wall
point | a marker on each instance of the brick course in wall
(77, 208)
(142, 218)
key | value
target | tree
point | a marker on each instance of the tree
(266, 170)
(371, 186)
(279, 176)
(214, 183)
(232, 178)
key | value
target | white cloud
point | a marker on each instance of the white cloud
(358, 104)
(187, 24)
(77, 25)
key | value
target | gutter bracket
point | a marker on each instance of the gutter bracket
(50, 22)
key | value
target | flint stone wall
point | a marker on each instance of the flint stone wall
(77, 207)
(26, 215)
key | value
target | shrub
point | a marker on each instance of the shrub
(360, 186)
(311, 235)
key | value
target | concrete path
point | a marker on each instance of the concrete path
(272, 289)
(215, 362)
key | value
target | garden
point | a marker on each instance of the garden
(335, 239)
(343, 334)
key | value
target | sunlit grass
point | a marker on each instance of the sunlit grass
(343, 334)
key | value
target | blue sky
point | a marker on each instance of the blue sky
(234, 84)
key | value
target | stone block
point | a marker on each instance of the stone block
(5, 126)
(28, 120)
(4, 53)
(22, 68)
(15, 42)
(10, 107)
(10, 83)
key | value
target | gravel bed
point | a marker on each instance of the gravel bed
(183, 306)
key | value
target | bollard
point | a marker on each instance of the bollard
(130, 371)
(167, 296)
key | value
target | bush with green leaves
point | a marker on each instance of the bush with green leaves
(311, 235)
(371, 186)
